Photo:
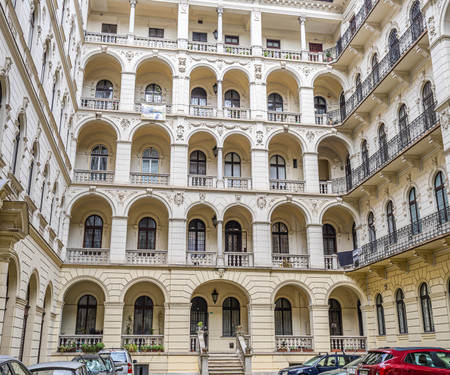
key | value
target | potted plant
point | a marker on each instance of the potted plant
(239, 331)
(295, 349)
(306, 349)
(282, 349)
(200, 326)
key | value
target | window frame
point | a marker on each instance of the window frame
(426, 308)
(147, 309)
(401, 312)
(280, 238)
(196, 232)
(199, 36)
(234, 40)
(91, 239)
(283, 312)
(84, 327)
(228, 318)
(156, 31)
(380, 315)
(149, 243)
(273, 43)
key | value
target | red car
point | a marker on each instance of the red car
(405, 361)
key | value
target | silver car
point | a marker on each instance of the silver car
(122, 360)
(58, 368)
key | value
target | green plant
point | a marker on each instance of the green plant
(131, 347)
(239, 331)
(200, 326)
(129, 325)
(92, 348)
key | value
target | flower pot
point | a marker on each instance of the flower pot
(295, 350)
(307, 350)
(281, 350)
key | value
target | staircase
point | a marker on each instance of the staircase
(225, 364)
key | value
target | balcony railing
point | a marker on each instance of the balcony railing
(238, 259)
(291, 117)
(244, 183)
(325, 187)
(202, 111)
(237, 50)
(288, 185)
(82, 175)
(348, 343)
(331, 262)
(201, 258)
(282, 54)
(90, 36)
(149, 257)
(103, 104)
(290, 261)
(142, 178)
(202, 47)
(143, 41)
(204, 181)
(415, 130)
(138, 107)
(396, 52)
(426, 229)
(330, 118)
(301, 343)
(143, 340)
(76, 341)
(237, 113)
(87, 256)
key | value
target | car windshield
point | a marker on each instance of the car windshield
(376, 357)
(312, 360)
(355, 362)
(445, 358)
(55, 371)
(119, 357)
(93, 364)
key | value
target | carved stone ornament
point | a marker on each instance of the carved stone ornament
(130, 55)
(125, 123)
(261, 202)
(178, 198)
(258, 71)
(310, 136)
(202, 196)
(180, 132)
(259, 137)
(182, 64)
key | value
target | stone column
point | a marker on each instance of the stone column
(440, 316)
(177, 241)
(219, 99)
(183, 25)
(320, 328)
(315, 245)
(176, 327)
(127, 87)
(4, 265)
(132, 16)
(220, 29)
(367, 316)
(262, 327)
(306, 100)
(112, 324)
(118, 239)
(123, 162)
(220, 256)
(260, 168)
(258, 98)
(220, 182)
(311, 172)
(302, 20)
(256, 32)
(261, 246)
(178, 165)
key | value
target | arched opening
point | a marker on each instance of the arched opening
(203, 92)
(237, 162)
(238, 245)
(282, 97)
(441, 197)
(26, 352)
(237, 94)
(401, 312)
(203, 160)
(394, 47)
(428, 105)
(9, 321)
(44, 332)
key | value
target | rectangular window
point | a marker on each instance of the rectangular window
(315, 47)
(199, 37)
(155, 33)
(109, 28)
(232, 39)
(273, 43)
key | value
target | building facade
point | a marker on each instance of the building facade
(172, 170)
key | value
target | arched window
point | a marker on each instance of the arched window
(441, 197)
(414, 212)
(232, 99)
(231, 316)
(233, 236)
(375, 69)
(382, 141)
(394, 48)
(348, 172)
(275, 103)
(280, 239)
(427, 311)
(329, 239)
(63, 9)
(365, 158)
(372, 231)
(391, 223)
(428, 105)
(32, 25)
(401, 312)
(197, 163)
(44, 183)
(147, 234)
(403, 125)
(99, 158)
(380, 315)
(416, 20)
(354, 236)
(199, 313)
(335, 317)
(342, 106)
(93, 232)
(360, 319)
(31, 170)
(86, 315)
(104, 89)
(283, 317)
(143, 316)
(359, 95)
(198, 96)
(232, 165)
(320, 109)
(153, 93)
(277, 172)
(55, 85)
(17, 144)
(150, 160)
(197, 235)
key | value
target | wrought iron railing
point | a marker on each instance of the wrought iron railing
(423, 230)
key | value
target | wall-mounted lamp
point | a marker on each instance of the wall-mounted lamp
(215, 34)
(214, 221)
(215, 88)
(214, 296)
(214, 150)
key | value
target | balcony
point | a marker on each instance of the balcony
(282, 54)
(241, 183)
(87, 256)
(103, 38)
(287, 185)
(203, 181)
(201, 258)
(331, 262)
(81, 175)
(142, 341)
(289, 117)
(383, 79)
(346, 343)
(290, 261)
(76, 341)
(141, 178)
(138, 107)
(100, 104)
(330, 118)
(237, 50)
(302, 343)
(410, 237)
(143, 41)
(238, 259)
(202, 47)
(236, 113)
(202, 111)
(147, 257)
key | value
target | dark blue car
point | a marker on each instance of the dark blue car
(318, 364)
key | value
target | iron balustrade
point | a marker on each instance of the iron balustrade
(410, 236)
(400, 142)
(383, 68)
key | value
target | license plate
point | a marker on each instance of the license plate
(363, 372)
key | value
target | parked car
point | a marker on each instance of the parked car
(319, 364)
(94, 364)
(110, 365)
(349, 369)
(416, 360)
(121, 358)
(10, 366)
(58, 368)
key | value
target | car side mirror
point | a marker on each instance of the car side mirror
(134, 360)
(119, 369)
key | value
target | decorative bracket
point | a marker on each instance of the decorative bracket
(379, 270)
(426, 255)
(412, 161)
(401, 264)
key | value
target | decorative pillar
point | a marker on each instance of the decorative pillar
(4, 264)
(183, 25)
(220, 29)
(219, 99)
(306, 100)
(127, 87)
(260, 168)
(117, 245)
(178, 166)
(262, 253)
(220, 257)
(132, 16)
(302, 20)
(311, 171)
(123, 160)
(320, 327)
(177, 241)
(112, 324)
(256, 32)
(315, 245)
(220, 183)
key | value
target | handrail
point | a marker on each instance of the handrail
(244, 352)
(203, 352)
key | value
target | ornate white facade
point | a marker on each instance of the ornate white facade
(166, 156)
